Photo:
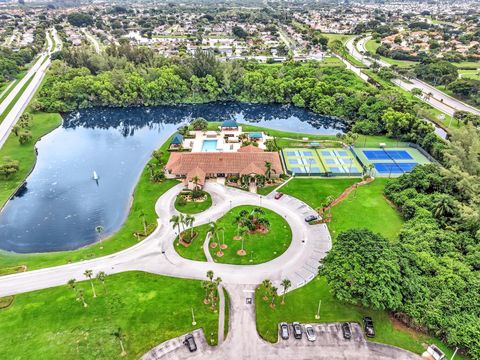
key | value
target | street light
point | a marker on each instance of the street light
(193, 318)
(317, 315)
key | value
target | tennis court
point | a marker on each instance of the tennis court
(340, 161)
(391, 161)
(303, 161)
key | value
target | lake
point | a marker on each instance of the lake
(62, 208)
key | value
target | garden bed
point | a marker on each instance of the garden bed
(193, 202)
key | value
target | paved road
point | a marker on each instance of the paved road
(92, 40)
(298, 263)
(36, 73)
(431, 95)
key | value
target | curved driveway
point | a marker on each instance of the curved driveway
(156, 254)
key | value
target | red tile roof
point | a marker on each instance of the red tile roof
(243, 163)
(250, 148)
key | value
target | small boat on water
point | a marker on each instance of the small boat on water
(95, 176)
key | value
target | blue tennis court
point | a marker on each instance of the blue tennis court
(342, 153)
(292, 161)
(394, 168)
(330, 161)
(387, 155)
(326, 153)
(291, 153)
(307, 153)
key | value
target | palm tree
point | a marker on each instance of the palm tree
(189, 220)
(151, 168)
(182, 220)
(266, 285)
(213, 233)
(370, 169)
(206, 286)
(210, 275)
(195, 181)
(268, 169)
(72, 285)
(88, 274)
(273, 294)
(101, 276)
(175, 220)
(243, 230)
(144, 222)
(286, 285)
(120, 336)
(444, 206)
(81, 297)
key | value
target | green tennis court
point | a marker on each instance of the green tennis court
(340, 161)
(303, 161)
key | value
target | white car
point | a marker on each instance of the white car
(310, 332)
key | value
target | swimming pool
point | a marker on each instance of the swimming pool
(209, 146)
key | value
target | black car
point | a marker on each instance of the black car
(310, 218)
(368, 326)
(297, 330)
(347, 332)
(190, 343)
(284, 331)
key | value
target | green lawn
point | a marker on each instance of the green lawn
(315, 191)
(50, 324)
(267, 189)
(470, 74)
(260, 248)
(145, 195)
(301, 305)
(193, 207)
(366, 208)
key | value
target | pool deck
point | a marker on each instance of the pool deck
(196, 139)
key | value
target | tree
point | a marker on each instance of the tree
(213, 228)
(24, 137)
(444, 207)
(268, 169)
(120, 336)
(81, 297)
(189, 219)
(175, 221)
(88, 274)
(286, 284)
(199, 124)
(102, 276)
(210, 275)
(266, 284)
(464, 150)
(363, 268)
(9, 167)
(273, 295)
(206, 287)
(72, 285)
(195, 181)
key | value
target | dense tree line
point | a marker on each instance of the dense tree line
(430, 276)
(437, 72)
(466, 89)
(130, 76)
(12, 62)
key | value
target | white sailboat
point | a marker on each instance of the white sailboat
(95, 176)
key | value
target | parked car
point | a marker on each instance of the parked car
(347, 332)
(310, 218)
(278, 195)
(190, 343)
(284, 331)
(297, 330)
(310, 332)
(368, 326)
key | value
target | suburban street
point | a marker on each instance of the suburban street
(431, 95)
(36, 73)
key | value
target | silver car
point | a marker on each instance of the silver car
(310, 332)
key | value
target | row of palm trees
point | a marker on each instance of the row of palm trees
(270, 291)
(182, 223)
(79, 292)
(211, 287)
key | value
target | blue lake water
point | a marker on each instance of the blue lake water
(60, 206)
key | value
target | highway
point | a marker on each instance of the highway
(431, 95)
(36, 73)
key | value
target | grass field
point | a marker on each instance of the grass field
(192, 207)
(145, 195)
(50, 324)
(470, 74)
(260, 248)
(301, 305)
(315, 191)
(372, 46)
